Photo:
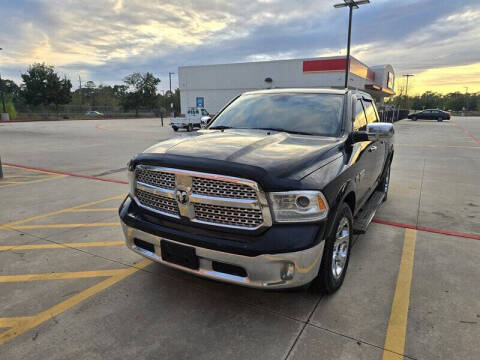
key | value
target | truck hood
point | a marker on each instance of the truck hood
(278, 154)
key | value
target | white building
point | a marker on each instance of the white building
(213, 86)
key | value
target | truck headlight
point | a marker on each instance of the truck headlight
(298, 206)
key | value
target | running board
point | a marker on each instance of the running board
(364, 218)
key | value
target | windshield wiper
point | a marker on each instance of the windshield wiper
(220, 127)
(285, 130)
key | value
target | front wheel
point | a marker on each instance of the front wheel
(414, 118)
(190, 128)
(440, 119)
(175, 128)
(336, 253)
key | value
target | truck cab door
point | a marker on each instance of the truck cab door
(378, 148)
(362, 159)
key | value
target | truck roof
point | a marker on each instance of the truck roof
(299, 90)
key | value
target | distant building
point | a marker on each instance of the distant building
(213, 86)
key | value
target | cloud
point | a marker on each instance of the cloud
(106, 40)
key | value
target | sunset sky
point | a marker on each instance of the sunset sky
(103, 41)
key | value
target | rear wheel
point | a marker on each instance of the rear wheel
(439, 119)
(336, 253)
(414, 118)
(175, 128)
(190, 127)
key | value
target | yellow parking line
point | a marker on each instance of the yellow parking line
(76, 299)
(28, 170)
(13, 321)
(59, 276)
(63, 245)
(94, 210)
(63, 226)
(26, 176)
(37, 217)
(397, 325)
(33, 181)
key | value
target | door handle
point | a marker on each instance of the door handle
(372, 148)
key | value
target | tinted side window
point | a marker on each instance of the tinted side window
(370, 112)
(360, 121)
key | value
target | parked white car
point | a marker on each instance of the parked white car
(194, 118)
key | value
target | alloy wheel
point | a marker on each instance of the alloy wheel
(340, 248)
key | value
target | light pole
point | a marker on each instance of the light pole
(352, 4)
(170, 95)
(406, 88)
(170, 79)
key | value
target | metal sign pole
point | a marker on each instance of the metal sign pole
(1, 171)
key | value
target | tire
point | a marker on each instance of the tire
(414, 118)
(384, 184)
(337, 245)
(175, 128)
(440, 119)
(190, 128)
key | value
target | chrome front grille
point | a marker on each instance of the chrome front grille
(249, 218)
(210, 187)
(159, 203)
(160, 179)
(203, 198)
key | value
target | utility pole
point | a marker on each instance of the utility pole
(1, 93)
(352, 4)
(406, 88)
(81, 93)
(466, 97)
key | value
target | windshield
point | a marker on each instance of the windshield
(315, 114)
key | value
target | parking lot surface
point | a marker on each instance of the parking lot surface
(69, 288)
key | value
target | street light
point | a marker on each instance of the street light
(352, 4)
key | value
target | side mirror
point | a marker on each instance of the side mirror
(379, 131)
(375, 132)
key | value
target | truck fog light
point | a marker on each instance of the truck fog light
(288, 271)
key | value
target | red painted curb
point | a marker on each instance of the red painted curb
(68, 174)
(427, 229)
(468, 133)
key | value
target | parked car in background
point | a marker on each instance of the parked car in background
(94, 113)
(430, 114)
(269, 195)
(195, 118)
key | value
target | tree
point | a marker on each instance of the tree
(42, 85)
(141, 91)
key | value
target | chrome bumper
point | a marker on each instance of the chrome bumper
(270, 271)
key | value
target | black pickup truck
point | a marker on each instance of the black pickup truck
(269, 195)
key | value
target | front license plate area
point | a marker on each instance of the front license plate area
(179, 254)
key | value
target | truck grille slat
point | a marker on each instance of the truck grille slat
(230, 211)
(156, 202)
(250, 218)
(156, 178)
(220, 188)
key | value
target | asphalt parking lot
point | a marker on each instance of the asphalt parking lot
(69, 288)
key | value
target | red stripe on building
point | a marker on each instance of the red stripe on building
(327, 65)
(324, 65)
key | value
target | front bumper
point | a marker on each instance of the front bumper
(272, 271)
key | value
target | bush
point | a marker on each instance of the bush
(11, 110)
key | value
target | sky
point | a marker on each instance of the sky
(105, 40)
